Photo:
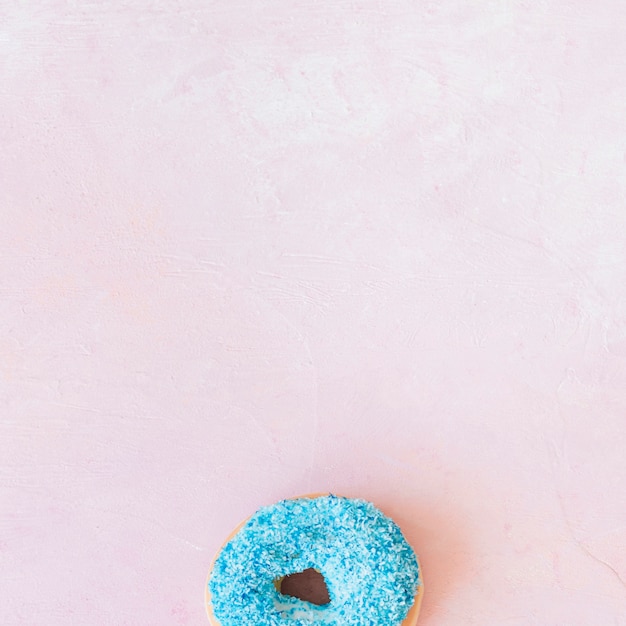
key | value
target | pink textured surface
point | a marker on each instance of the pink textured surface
(255, 249)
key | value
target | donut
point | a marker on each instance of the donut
(370, 574)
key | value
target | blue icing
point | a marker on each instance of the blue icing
(370, 570)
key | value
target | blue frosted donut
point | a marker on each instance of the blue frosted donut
(371, 572)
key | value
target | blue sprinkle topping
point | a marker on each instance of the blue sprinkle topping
(370, 570)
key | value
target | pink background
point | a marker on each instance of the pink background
(254, 249)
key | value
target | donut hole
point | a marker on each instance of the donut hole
(308, 586)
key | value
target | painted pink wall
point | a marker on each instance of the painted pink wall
(255, 249)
